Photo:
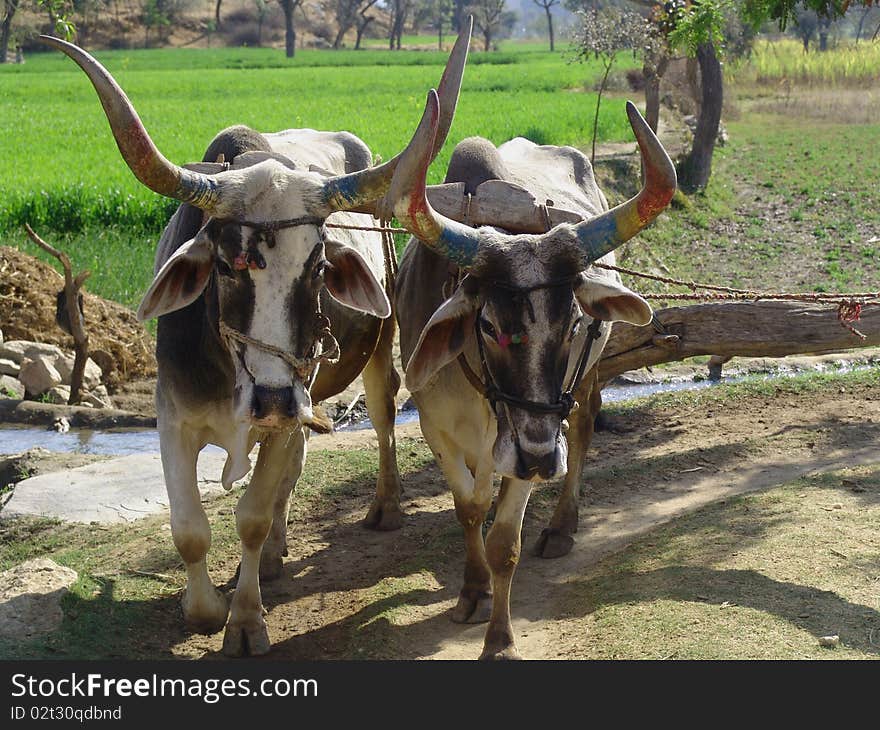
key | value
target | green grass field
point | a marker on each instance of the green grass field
(61, 172)
(65, 174)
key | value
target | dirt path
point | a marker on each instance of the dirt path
(350, 593)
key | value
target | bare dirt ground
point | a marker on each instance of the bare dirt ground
(349, 593)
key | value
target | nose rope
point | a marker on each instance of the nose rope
(303, 366)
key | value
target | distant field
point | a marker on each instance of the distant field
(62, 172)
(785, 63)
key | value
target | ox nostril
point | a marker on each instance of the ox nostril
(268, 402)
(259, 402)
(531, 465)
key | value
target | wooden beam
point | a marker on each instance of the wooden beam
(735, 329)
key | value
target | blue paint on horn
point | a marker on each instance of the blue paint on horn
(459, 243)
(598, 237)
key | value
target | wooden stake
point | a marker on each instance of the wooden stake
(72, 288)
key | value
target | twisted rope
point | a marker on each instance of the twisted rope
(849, 305)
(302, 365)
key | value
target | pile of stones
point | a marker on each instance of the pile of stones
(37, 371)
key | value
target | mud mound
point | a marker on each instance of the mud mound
(117, 341)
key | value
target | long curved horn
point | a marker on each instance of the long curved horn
(601, 235)
(407, 198)
(359, 190)
(138, 150)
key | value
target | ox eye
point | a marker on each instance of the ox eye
(223, 268)
(575, 328)
(319, 270)
(487, 327)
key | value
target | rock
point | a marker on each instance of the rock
(11, 388)
(829, 642)
(96, 399)
(30, 598)
(18, 350)
(113, 491)
(39, 375)
(91, 374)
(60, 424)
(59, 395)
(9, 367)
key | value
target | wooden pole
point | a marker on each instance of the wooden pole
(72, 288)
(735, 329)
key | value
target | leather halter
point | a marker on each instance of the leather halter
(487, 386)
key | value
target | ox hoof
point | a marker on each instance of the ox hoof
(553, 544)
(250, 638)
(507, 653)
(205, 616)
(473, 607)
(384, 516)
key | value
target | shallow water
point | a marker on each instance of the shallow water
(121, 442)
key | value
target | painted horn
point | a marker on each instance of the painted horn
(407, 198)
(601, 235)
(138, 150)
(359, 190)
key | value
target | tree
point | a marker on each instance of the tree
(362, 21)
(352, 14)
(603, 35)
(488, 19)
(57, 9)
(805, 25)
(547, 4)
(262, 8)
(399, 10)
(10, 7)
(288, 6)
(699, 30)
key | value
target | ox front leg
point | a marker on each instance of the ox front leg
(275, 547)
(381, 383)
(556, 539)
(503, 545)
(246, 632)
(204, 607)
(472, 494)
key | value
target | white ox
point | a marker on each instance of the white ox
(497, 367)
(262, 311)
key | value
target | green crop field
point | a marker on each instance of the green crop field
(60, 169)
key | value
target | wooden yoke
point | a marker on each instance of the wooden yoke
(498, 203)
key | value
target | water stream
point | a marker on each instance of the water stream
(120, 442)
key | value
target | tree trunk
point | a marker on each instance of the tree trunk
(340, 34)
(862, 22)
(824, 27)
(6, 30)
(289, 29)
(697, 166)
(440, 36)
(361, 27)
(217, 15)
(653, 77)
(487, 39)
(549, 25)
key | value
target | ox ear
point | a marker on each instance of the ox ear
(442, 339)
(351, 282)
(611, 301)
(181, 279)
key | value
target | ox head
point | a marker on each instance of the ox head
(528, 300)
(263, 249)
